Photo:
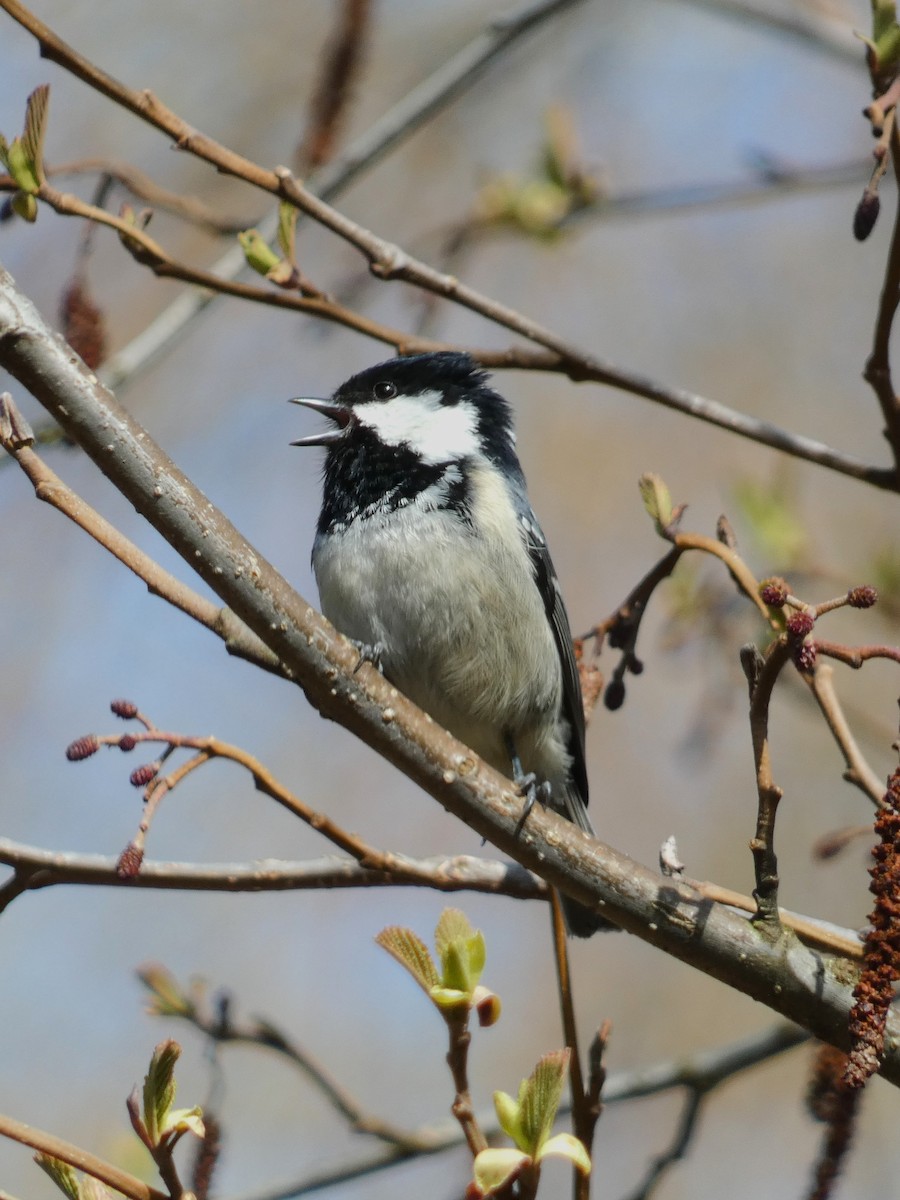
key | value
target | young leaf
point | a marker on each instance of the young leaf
(287, 225)
(35, 130)
(93, 1189)
(453, 926)
(510, 1118)
(461, 949)
(159, 1088)
(565, 1145)
(185, 1120)
(493, 1169)
(257, 251)
(61, 1174)
(411, 952)
(657, 501)
(541, 1097)
(168, 998)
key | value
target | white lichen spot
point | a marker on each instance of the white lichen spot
(388, 715)
(449, 776)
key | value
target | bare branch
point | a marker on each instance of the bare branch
(858, 772)
(40, 868)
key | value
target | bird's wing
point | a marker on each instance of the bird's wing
(558, 618)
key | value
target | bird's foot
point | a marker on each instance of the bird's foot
(534, 791)
(369, 652)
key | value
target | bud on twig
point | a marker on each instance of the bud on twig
(82, 747)
(863, 596)
(130, 860)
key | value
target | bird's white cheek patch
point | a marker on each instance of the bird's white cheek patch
(435, 431)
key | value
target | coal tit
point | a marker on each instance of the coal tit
(428, 554)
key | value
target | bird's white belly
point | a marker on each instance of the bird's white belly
(449, 613)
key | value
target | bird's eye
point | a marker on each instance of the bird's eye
(384, 390)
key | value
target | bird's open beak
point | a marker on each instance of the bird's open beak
(339, 413)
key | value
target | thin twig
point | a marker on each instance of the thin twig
(570, 1027)
(460, 1038)
(769, 794)
(855, 656)
(858, 772)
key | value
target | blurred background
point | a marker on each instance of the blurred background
(763, 301)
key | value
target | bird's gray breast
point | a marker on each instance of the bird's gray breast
(454, 606)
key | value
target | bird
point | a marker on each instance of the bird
(428, 556)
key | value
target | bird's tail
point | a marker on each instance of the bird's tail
(580, 921)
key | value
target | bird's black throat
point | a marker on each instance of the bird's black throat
(364, 477)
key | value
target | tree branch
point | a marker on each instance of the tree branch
(39, 868)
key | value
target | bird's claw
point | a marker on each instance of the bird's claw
(534, 791)
(369, 652)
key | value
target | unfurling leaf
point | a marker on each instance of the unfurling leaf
(657, 501)
(462, 951)
(565, 1145)
(185, 1120)
(61, 1173)
(159, 1088)
(412, 953)
(257, 251)
(494, 1168)
(540, 1098)
(168, 998)
(93, 1189)
(287, 229)
(510, 1118)
(35, 131)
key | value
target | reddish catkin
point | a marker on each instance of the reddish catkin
(130, 860)
(83, 324)
(881, 961)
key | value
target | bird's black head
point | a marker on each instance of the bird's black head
(405, 425)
